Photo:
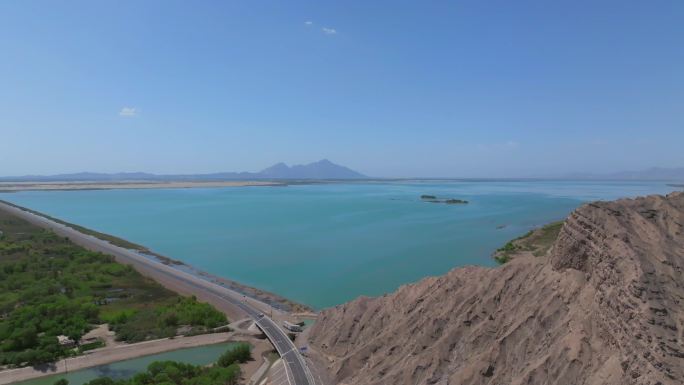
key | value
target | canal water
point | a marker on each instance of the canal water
(201, 355)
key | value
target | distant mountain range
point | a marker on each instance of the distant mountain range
(653, 173)
(323, 169)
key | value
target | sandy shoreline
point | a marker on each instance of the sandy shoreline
(41, 186)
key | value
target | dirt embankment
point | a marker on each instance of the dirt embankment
(604, 305)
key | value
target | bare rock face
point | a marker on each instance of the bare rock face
(604, 306)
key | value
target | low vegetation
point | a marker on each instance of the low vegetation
(238, 354)
(163, 320)
(538, 242)
(50, 287)
(178, 373)
(226, 371)
(105, 237)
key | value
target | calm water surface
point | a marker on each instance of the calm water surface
(202, 355)
(325, 244)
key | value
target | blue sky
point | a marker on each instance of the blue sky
(461, 88)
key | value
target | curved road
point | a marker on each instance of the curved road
(297, 371)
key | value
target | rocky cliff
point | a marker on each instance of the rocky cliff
(603, 306)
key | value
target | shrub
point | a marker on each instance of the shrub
(239, 354)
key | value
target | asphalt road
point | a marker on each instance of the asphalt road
(297, 371)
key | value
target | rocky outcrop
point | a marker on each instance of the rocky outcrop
(603, 306)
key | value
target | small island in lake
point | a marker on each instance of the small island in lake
(456, 202)
(449, 201)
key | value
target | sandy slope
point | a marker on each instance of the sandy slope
(604, 306)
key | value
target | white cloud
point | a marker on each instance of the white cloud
(308, 23)
(329, 31)
(128, 112)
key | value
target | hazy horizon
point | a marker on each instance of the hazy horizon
(590, 175)
(466, 89)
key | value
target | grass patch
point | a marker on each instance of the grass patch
(537, 241)
(90, 346)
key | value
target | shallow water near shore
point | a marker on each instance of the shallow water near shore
(324, 244)
(201, 355)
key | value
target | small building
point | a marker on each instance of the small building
(66, 341)
(292, 327)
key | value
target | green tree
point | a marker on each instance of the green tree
(239, 354)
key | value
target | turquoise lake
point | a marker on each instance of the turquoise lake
(324, 244)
